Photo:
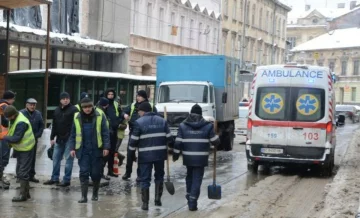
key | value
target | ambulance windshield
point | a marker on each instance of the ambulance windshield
(194, 93)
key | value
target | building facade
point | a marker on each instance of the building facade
(254, 31)
(340, 51)
(160, 27)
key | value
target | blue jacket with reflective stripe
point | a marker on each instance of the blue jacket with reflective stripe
(150, 135)
(193, 139)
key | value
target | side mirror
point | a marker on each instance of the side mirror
(224, 98)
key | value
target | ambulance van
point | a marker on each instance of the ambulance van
(291, 117)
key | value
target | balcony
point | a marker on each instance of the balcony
(11, 4)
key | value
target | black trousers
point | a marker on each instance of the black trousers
(32, 172)
(130, 161)
(24, 160)
(110, 158)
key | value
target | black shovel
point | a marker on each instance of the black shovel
(169, 185)
(214, 191)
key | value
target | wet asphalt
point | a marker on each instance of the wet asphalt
(123, 199)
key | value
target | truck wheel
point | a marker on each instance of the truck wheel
(253, 167)
(228, 142)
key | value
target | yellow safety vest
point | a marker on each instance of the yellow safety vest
(78, 130)
(121, 133)
(133, 108)
(77, 106)
(28, 140)
(101, 112)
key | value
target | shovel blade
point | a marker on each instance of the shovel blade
(214, 192)
(170, 187)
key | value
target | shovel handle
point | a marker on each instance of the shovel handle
(167, 149)
(214, 166)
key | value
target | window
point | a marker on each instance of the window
(253, 15)
(200, 35)
(161, 24)
(211, 94)
(248, 13)
(260, 18)
(292, 41)
(266, 20)
(24, 57)
(24, 63)
(270, 24)
(215, 42)
(207, 37)
(320, 63)
(268, 107)
(223, 47)
(173, 23)
(241, 12)
(284, 28)
(239, 47)
(135, 15)
(353, 94)
(148, 20)
(35, 58)
(332, 66)
(191, 38)
(233, 46)
(226, 7)
(234, 9)
(183, 93)
(72, 60)
(343, 68)
(315, 21)
(182, 20)
(356, 67)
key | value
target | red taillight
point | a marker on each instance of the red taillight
(329, 127)
(249, 124)
(316, 162)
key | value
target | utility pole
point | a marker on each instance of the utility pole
(242, 62)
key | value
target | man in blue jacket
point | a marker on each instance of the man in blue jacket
(193, 139)
(89, 141)
(37, 124)
(150, 135)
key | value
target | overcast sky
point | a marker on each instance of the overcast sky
(300, 4)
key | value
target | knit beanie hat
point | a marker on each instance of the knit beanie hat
(103, 102)
(84, 95)
(145, 106)
(64, 95)
(9, 95)
(142, 93)
(86, 102)
(196, 109)
(10, 111)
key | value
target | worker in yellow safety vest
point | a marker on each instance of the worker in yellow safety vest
(21, 138)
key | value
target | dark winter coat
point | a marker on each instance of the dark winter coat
(110, 111)
(193, 139)
(98, 152)
(151, 135)
(36, 120)
(135, 114)
(62, 123)
(4, 121)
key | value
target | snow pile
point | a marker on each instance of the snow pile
(342, 195)
(340, 38)
(63, 37)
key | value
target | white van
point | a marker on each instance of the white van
(291, 117)
(241, 123)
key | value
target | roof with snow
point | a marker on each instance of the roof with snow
(99, 74)
(330, 13)
(200, 8)
(63, 37)
(341, 38)
(11, 4)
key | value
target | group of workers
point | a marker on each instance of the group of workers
(93, 134)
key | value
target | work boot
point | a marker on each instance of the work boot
(126, 177)
(33, 179)
(23, 192)
(145, 198)
(121, 159)
(84, 192)
(159, 188)
(51, 182)
(28, 196)
(192, 203)
(95, 196)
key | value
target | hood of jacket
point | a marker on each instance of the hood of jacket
(107, 92)
(195, 121)
(3, 101)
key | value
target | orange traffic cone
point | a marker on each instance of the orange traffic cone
(116, 164)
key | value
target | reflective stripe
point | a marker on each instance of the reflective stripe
(78, 130)
(153, 148)
(196, 140)
(168, 135)
(178, 139)
(78, 107)
(134, 137)
(116, 106)
(176, 151)
(214, 138)
(132, 148)
(28, 140)
(152, 135)
(194, 153)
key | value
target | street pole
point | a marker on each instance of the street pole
(46, 79)
(242, 62)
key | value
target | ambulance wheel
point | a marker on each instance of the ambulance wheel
(253, 167)
(329, 166)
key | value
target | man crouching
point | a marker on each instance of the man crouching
(90, 142)
(21, 138)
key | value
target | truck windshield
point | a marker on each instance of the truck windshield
(183, 93)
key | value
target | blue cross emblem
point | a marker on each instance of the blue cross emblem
(272, 103)
(307, 104)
